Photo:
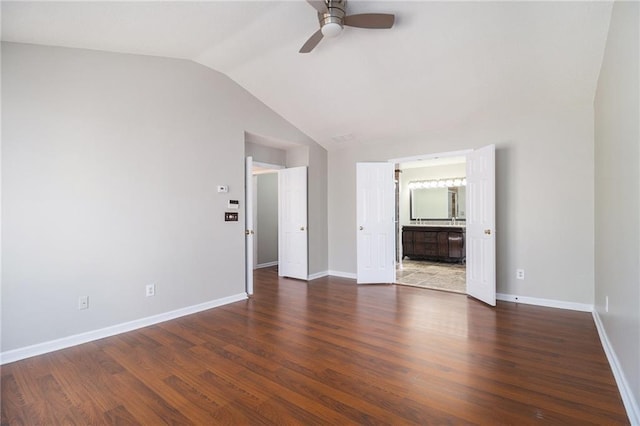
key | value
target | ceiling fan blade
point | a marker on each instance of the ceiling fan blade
(370, 20)
(318, 5)
(312, 42)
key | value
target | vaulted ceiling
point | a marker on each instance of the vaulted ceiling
(441, 63)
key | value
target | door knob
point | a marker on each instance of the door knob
(487, 231)
(361, 228)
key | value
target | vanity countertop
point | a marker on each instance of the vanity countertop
(430, 225)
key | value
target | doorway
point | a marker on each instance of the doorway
(431, 223)
(265, 214)
(276, 219)
(480, 223)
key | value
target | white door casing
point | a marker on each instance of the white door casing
(375, 205)
(256, 231)
(292, 223)
(481, 222)
(248, 202)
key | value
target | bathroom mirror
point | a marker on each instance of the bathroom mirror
(437, 203)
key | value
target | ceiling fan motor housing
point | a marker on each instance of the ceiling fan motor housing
(331, 22)
(332, 18)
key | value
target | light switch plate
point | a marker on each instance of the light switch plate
(230, 217)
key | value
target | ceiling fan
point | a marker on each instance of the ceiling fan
(332, 17)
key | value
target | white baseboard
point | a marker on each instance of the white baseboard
(582, 307)
(343, 274)
(317, 275)
(630, 403)
(266, 265)
(78, 339)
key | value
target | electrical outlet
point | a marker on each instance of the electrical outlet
(520, 274)
(606, 303)
(83, 302)
(151, 290)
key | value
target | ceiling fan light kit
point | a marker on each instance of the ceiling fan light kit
(332, 18)
(332, 29)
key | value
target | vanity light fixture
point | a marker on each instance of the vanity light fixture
(438, 183)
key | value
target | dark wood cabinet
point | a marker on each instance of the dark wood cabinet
(444, 243)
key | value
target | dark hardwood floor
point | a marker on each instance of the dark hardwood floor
(329, 352)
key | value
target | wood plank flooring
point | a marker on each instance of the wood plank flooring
(329, 352)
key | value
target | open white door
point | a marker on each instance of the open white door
(248, 217)
(481, 223)
(375, 214)
(292, 223)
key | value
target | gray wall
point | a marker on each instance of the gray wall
(109, 168)
(265, 154)
(617, 173)
(544, 195)
(267, 220)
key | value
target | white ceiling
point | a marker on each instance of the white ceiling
(441, 63)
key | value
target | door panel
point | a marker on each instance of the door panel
(481, 242)
(292, 227)
(375, 220)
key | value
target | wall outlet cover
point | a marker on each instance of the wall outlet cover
(83, 302)
(151, 290)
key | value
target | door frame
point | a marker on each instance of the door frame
(251, 225)
(394, 162)
(464, 153)
(460, 153)
(249, 242)
(260, 168)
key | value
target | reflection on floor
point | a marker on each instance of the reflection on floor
(434, 275)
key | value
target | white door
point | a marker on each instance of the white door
(292, 223)
(375, 205)
(248, 217)
(481, 223)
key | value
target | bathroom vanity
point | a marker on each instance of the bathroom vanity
(434, 242)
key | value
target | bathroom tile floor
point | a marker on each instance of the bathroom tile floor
(434, 275)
